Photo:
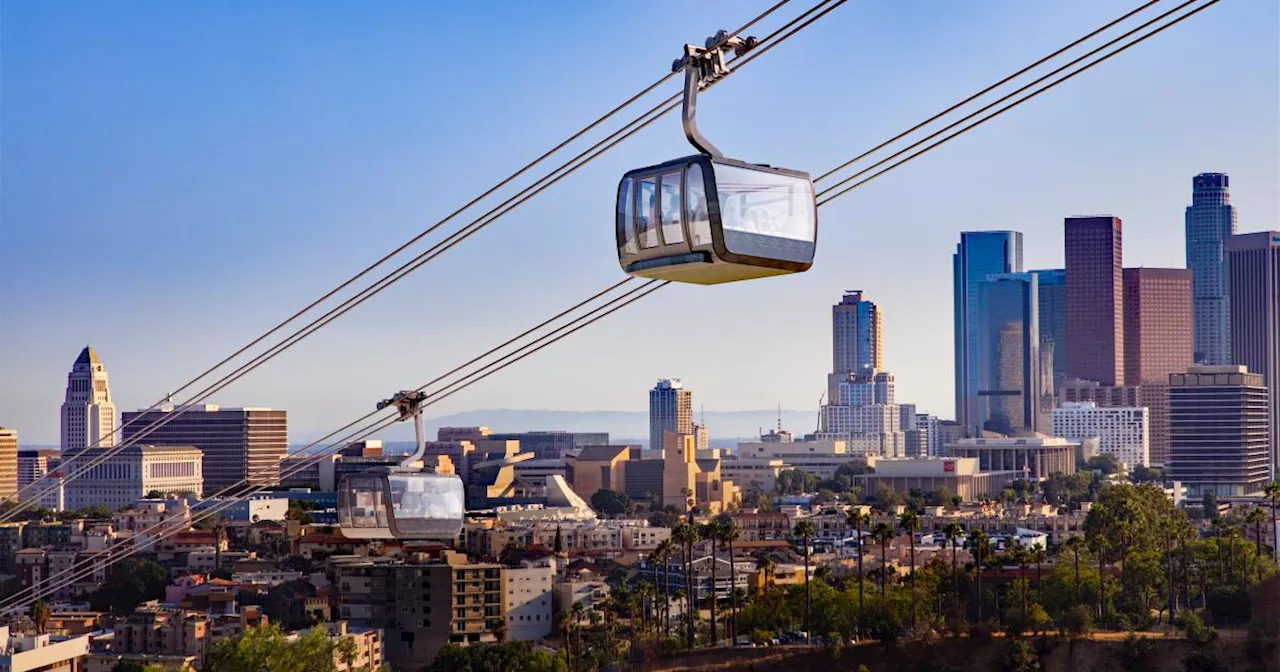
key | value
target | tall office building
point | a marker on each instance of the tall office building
(1254, 259)
(865, 412)
(1005, 355)
(670, 410)
(1121, 431)
(8, 463)
(1052, 297)
(1210, 222)
(978, 255)
(1218, 427)
(238, 444)
(88, 415)
(1095, 300)
(855, 335)
(1157, 324)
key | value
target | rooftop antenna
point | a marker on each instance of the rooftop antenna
(702, 410)
(779, 418)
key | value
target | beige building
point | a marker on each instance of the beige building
(598, 468)
(1035, 457)
(8, 463)
(959, 475)
(690, 481)
(41, 653)
(821, 458)
(423, 604)
(529, 594)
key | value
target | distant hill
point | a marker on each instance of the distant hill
(726, 427)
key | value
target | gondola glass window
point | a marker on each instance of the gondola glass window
(671, 208)
(695, 192)
(763, 203)
(626, 223)
(646, 222)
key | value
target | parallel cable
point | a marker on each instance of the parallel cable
(1045, 59)
(831, 193)
(650, 286)
(89, 565)
(495, 213)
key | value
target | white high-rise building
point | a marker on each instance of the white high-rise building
(88, 414)
(1210, 223)
(1121, 431)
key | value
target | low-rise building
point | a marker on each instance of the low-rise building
(1034, 457)
(38, 653)
(530, 604)
(424, 603)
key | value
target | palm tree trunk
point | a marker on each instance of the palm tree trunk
(977, 578)
(1257, 535)
(860, 589)
(955, 575)
(911, 539)
(715, 592)
(666, 602)
(807, 604)
(1076, 552)
(733, 598)
(1102, 587)
(884, 568)
(690, 597)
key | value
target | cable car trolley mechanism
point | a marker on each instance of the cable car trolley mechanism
(402, 502)
(707, 219)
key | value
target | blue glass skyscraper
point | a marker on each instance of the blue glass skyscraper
(978, 255)
(1210, 223)
(1006, 355)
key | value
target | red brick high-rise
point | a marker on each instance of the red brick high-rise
(1095, 300)
(1157, 324)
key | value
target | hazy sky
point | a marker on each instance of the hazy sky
(177, 177)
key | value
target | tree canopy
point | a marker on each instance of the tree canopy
(610, 502)
(495, 658)
(268, 649)
(129, 583)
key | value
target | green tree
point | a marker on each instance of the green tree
(129, 583)
(1143, 474)
(804, 530)
(1257, 517)
(610, 502)
(687, 535)
(496, 657)
(268, 649)
(883, 534)
(1105, 463)
(1019, 657)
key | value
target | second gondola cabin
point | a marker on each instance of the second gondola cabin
(709, 219)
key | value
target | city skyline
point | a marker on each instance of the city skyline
(296, 263)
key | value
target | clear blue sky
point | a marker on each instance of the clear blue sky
(179, 176)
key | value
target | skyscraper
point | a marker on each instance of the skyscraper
(979, 254)
(239, 444)
(670, 410)
(1218, 427)
(88, 415)
(1254, 259)
(1095, 300)
(1122, 431)
(1210, 222)
(855, 335)
(1157, 324)
(8, 463)
(1005, 355)
(1052, 297)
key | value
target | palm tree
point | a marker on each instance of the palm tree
(565, 624)
(883, 534)
(578, 610)
(40, 616)
(910, 522)
(978, 541)
(1257, 516)
(687, 535)
(1272, 494)
(1038, 552)
(856, 520)
(953, 533)
(709, 532)
(1099, 544)
(1074, 544)
(728, 533)
(765, 565)
(804, 530)
(665, 550)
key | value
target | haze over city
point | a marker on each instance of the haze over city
(178, 183)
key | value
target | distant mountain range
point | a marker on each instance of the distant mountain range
(726, 427)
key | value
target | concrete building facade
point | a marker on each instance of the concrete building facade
(1255, 317)
(88, 414)
(239, 444)
(1218, 431)
(1123, 431)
